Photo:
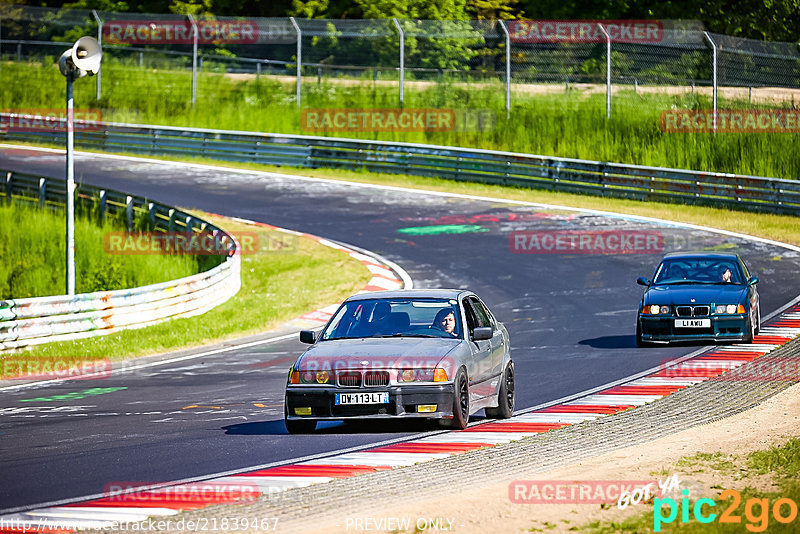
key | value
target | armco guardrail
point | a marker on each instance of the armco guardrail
(31, 321)
(542, 172)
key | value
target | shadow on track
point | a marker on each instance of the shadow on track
(274, 428)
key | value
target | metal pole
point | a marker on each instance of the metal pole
(508, 68)
(99, 40)
(608, 70)
(713, 77)
(402, 58)
(299, 58)
(194, 58)
(70, 191)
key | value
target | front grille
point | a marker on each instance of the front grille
(376, 378)
(692, 311)
(350, 379)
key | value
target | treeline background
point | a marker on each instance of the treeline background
(772, 20)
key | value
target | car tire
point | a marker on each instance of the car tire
(505, 398)
(298, 426)
(751, 331)
(639, 341)
(758, 320)
(460, 401)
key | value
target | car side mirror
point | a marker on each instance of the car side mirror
(482, 333)
(308, 336)
(642, 281)
(753, 280)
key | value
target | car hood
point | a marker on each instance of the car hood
(378, 353)
(701, 293)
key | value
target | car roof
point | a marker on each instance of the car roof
(412, 293)
(702, 254)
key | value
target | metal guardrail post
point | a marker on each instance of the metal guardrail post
(100, 41)
(299, 59)
(508, 68)
(42, 191)
(402, 58)
(8, 186)
(713, 77)
(195, 36)
(608, 70)
(151, 212)
(102, 214)
(129, 213)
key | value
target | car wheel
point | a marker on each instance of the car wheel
(639, 341)
(461, 401)
(298, 426)
(751, 331)
(505, 397)
(758, 320)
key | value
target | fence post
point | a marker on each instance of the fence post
(402, 58)
(42, 191)
(99, 40)
(9, 174)
(102, 214)
(194, 57)
(508, 68)
(129, 213)
(713, 77)
(608, 70)
(299, 58)
(151, 212)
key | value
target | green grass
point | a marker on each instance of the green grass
(33, 249)
(566, 125)
(271, 294)
(783, 462)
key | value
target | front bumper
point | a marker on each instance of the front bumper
(723, 328)
(403, 402)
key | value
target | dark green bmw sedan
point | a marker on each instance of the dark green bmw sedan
(699, 296)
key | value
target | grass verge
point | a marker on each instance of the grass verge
(271, 294)
(33, 246)
(572, 124)
(761, 479)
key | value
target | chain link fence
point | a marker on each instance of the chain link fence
(620, 62)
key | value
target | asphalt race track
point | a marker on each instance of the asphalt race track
(570, 318)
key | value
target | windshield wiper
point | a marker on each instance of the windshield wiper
(401, 334)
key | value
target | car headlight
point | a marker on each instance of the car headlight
(655, 309)
(415, 375)
(311, 377)
(729, 309)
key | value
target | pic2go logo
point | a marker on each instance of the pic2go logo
(756, 511)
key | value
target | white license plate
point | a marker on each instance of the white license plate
(692, 323)
(362, 398)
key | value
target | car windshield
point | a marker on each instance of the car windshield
(698, 271)
(396, 317)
